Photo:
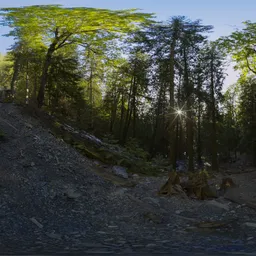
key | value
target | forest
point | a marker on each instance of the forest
(126, 78)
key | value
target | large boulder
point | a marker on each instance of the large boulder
(120, 171)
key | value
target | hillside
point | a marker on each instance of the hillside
(54, 200)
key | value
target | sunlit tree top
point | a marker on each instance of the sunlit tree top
(42, 24)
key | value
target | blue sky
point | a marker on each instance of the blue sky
(224, 15)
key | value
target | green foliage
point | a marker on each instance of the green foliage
(121, 77)
(42, 25)
(247, 115)
(199, 177)
(110, 139)
(160, 162)
(133, 148)
(241, 45)
(5, 71)
(57, 124)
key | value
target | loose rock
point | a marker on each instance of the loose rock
(120, 171)
(36, 222)
(219, 205)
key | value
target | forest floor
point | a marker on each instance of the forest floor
(55, 201)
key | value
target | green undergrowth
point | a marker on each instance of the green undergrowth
(132, 156)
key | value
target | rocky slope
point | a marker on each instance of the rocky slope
(53, 200)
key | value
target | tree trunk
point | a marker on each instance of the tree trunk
(122, 116)
(189, 119)
(215, 166)
(254, 124)
(179, 154)
(152, 146)
(27, 86)
(113, 111)
(199, 145)
(44, 77)
(176, 155)
(128, 115)
(35, 86)
(190, 139)
(15, 75)
(134, 109)
(172, 113)
(91, 99)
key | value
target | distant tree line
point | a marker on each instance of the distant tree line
(121, 74)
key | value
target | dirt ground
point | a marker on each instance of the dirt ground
(55, 201)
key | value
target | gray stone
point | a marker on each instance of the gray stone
(71, 194)
(101, 232)
(99, 252)
(30, 126)
(166, 241)
(36, 222)
(93, 245)
(53, 235)
(135, 176)
(118, 193)
(113, 227)
(150, 245)
(152, 200)
(138, 245)
(127, 250)
(121, 241)
(218, 205)
(250, 224)
(120, 171)
(109, 240)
